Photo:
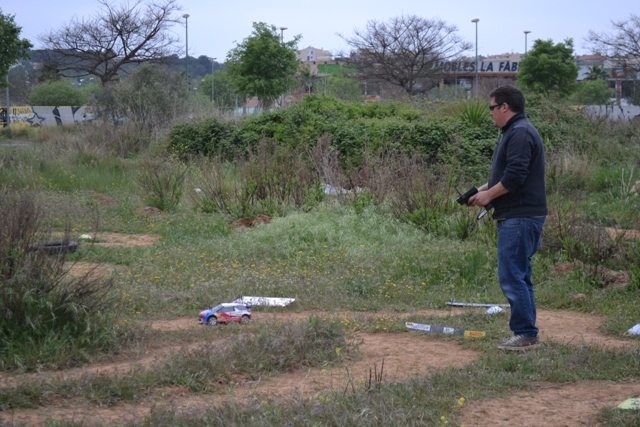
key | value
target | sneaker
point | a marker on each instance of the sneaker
(519, 343)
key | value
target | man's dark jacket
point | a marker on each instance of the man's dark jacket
(518, 162)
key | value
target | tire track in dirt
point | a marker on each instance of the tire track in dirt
(378, 353)
(420, 355)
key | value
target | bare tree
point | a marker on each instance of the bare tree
(115, 36)
(622, 46)
(405, 51)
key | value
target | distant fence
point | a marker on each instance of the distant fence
(45, 116)
(614, 111)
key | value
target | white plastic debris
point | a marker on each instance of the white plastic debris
(334, 191)
(494, 310)
(198, 191)
(268, 301)
(631, 403)
(635, 330)
(85, 237)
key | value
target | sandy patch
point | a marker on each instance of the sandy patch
(552, 405)
(627, 234)
(124, 240)
(103, 200)
(92, 270)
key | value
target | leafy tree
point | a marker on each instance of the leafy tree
(597, 73)
(47, 72)
(60, 93)
(634, 97)
(12, 47)
(114, 37)
(21, 79)
(340, 85)
(263, 65)
(549, 68)
(404, 51)
(593, 92)
(622, 46)
(223, 90)
(150, 97)
(306, 78)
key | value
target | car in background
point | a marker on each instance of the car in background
(225, 313)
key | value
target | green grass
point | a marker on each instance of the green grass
(356, 257)
(329, 259)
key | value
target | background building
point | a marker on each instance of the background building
(310, 54)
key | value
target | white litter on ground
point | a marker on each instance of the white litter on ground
(334, 191)
(85, 237)
(632, 403)
(635, 330)
(267, 301)
(494, 310)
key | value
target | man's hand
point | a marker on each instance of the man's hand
(484, 196)
(481, 198)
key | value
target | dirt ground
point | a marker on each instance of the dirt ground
(548, 404)
(124, 240)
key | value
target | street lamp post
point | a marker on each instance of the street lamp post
(476, 22)
(525, 40)
(213, 71)
(186, 59)
(282, 41)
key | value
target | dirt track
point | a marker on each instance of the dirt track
(572, 404)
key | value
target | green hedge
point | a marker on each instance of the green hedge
(351, 126)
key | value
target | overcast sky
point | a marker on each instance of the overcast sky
(215, 27)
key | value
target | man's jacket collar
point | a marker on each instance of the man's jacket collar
(511, 121)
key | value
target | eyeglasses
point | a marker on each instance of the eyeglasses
(491, 107)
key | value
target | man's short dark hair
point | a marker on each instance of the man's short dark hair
(510, 95)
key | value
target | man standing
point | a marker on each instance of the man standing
(516, 188)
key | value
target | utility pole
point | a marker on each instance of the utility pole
(476, 85)
(281, 42)
(186, 58)
(213, 71)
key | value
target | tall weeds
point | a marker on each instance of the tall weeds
(46, 314)
(268, 180)
(163, 181)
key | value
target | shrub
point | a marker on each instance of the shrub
(162, 180)
(575, 238)
(47, 316)
(352, 127)
(267, 180)
(474, 112)
(210, 137)
(60, 93)
(123, 140)
(593, 92)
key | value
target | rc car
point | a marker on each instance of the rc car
(225, 313)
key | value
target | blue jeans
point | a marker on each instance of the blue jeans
(518, 240)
